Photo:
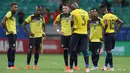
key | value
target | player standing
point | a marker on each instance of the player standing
(79, 37)
(9, 23)
(36, 22)
(109, 35)
(65, 20)
(96, 25)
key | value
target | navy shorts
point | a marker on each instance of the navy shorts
(65, 41)
(35, 43)
(78, 41)
(109, 41)
(12, 40)
(95, 47)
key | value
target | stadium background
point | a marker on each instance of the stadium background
(53, 7)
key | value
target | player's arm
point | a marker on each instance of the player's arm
(105, 26)
(43, 27)
(25, 28)
(72, 20)
(120, 24)
(57, 21)
(3, 22)
(88, 27)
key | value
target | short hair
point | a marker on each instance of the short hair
(103, 6)
(13, 3)
(66, 5)
(93, 9)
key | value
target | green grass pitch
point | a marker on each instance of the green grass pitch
(54, 64)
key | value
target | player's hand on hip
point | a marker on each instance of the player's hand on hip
(101, 39)
(30, 34)
(59, 32)
(89, 38)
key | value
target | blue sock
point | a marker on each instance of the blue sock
(10, 63)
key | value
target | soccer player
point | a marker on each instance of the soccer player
(36, 22)
(79, 38)
(65, 32)
(109, 35)
(9, 23)
(96, 25)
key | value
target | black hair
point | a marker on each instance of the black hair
(14, 3)
(66, 5)
(93, 9)
(102, 6)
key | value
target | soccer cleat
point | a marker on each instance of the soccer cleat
(36, 67)
(103, 68)
(66, 68)
(70, 70)
(111, 69)
(94, 68)
(87, 70)
(13, 68)
(27, 67)
(77, 68)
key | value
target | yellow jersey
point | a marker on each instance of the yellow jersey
(111, 19)
(96, 28)
(65, 20)
(10, 22)
(80, 22)
(36, 25)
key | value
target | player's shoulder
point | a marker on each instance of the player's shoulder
(100, 18)
(31, 15)
(9, 12)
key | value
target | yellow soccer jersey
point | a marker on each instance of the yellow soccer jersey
(65, 20)
(111, 19)
(36, 25)
(96, 28)
(80, 22)
(10, 22)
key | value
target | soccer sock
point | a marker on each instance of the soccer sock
(76, 60)
(107, 60)
(66, 57)
(13, 57)
(36, 57)
(110, 60)
(72, 58)
(29, 55)
(96, 60)
(86, 58)
(93, 59)
(9, 57)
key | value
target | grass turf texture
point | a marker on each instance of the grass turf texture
(55, 64)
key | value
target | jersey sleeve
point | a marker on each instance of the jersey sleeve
(43, 20)
(28, 19)
(102, 22)
(115, 17)
(57, 18)
(9, 14)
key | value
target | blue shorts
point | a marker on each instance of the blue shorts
(65, 41)
(12, 40)
(95, 47)
(78, 41)
(35, 43)
(109, 41)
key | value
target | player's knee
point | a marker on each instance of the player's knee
(65, 48)
(37, 51)
(108, 51)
